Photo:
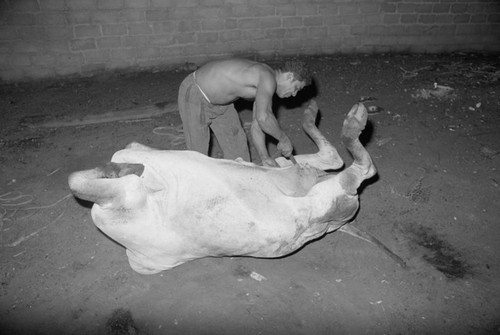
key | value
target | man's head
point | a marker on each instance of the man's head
(293, 76)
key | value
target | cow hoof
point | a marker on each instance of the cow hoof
(355, 121)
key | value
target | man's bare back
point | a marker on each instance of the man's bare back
(225, 81)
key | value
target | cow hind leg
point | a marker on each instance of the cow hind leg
(362, 167)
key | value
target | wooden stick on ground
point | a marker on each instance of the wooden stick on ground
(112, 116)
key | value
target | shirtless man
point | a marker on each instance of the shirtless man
(206, 99)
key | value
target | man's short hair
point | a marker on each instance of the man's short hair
(300, 70)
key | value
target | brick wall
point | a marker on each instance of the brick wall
(49, 38)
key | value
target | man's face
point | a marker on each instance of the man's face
(288, 87)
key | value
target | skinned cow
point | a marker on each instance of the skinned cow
(167, 207)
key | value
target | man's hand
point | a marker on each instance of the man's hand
(285, 146)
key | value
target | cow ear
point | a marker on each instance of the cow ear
(93, 185)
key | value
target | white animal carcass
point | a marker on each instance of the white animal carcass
(167, 207)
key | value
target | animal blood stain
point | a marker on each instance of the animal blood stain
(440, 254)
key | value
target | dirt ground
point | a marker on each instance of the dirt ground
(435, 202)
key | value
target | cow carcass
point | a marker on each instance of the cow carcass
(168, 207)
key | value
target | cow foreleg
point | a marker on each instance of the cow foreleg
(327, 158)
(362, 168)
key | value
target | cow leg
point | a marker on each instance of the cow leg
(362, 168)
(327, 156)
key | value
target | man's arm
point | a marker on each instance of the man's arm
(265, 119)
(259, 140)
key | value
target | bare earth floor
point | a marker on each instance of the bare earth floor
(435, 202)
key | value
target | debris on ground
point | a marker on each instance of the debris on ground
(257, 276)
(440, 92)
